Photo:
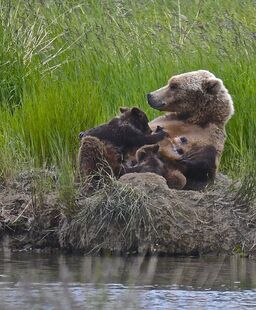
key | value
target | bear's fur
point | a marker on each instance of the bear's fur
(129, 131)
(96, 157)
(148, 159)
(199, 106)
(178, 161)
(113, 141)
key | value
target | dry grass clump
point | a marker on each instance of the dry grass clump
(29, 212)
(140, 214)
(136, 214)
(112, 217)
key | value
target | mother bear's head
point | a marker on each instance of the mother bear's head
(197, 96)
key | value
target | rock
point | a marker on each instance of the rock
(149, 182)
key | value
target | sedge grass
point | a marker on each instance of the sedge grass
(69, 65)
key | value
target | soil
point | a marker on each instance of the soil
(137, 214)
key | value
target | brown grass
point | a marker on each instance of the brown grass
(140, 214)
(136, 214)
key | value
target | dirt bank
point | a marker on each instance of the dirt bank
(136, 214)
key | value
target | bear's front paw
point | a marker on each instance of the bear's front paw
(163, 134)
(159, 128)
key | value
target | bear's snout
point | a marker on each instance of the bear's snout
(81, 134)
(149, 97)
(154, 103)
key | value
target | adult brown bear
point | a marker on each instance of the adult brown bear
(198, 106)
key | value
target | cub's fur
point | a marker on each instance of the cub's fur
(129, 131)
(113, 141)
(178, 161)
(96, 157)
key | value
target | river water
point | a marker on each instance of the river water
(43, 281)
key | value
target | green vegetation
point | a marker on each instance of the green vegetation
(68, 65)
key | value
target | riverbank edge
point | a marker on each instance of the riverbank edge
(136, 215)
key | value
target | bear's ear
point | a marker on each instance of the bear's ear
(212, 86)
(140, 155)
(154, 148)
(123, 109)
(136, 111)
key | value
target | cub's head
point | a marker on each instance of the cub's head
(198, 161)
(137, 118)
(174, 149)
(148, 157)
(178, 147)
(147, 153)
(198, 96)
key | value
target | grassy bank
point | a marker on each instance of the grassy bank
(68, 65)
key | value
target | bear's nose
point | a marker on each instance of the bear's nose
(81, 134)
(149, 97)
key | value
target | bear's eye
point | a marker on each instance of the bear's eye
(173, 86)
(180, 151)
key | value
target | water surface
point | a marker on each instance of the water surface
(40, 281)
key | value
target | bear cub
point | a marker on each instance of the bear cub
(177, 160)
(115, 140)
(129, 131)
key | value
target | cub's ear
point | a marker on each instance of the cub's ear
(154, 148)
(159, 128)
(136, 111)
(140, 155)
(212, 86)
(123, 109)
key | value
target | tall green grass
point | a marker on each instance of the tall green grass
(68, 65)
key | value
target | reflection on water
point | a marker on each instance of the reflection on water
(30, 281)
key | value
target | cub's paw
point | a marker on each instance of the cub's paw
(159, 128)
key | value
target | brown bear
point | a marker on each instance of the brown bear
(177, 161)
(95, 156)
(199, 106)
(117, 138)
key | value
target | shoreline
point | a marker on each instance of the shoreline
(135, 215)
